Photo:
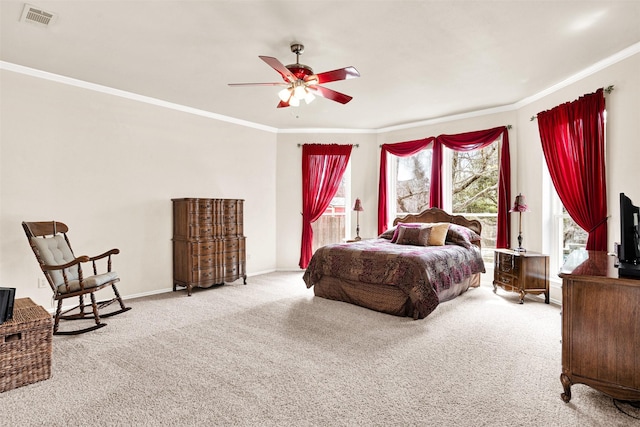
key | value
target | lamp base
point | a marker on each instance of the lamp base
(520, 248)
(357, 238)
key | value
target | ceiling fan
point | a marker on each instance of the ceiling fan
(300, 82)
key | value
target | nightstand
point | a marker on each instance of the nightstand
(524, 272)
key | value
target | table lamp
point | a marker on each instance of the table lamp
(520, 205)
(358, 208)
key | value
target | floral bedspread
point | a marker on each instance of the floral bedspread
(420, 271)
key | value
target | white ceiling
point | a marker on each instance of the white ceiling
(418, 60)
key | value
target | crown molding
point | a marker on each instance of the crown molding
(129, 95)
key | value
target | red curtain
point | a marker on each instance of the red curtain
(461, 142)
(572, 136)
(401, 149)
(322, 168)
(473, 141)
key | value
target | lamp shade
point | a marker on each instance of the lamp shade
(520, 205)
(358, 206)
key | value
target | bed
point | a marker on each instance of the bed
(406, 271)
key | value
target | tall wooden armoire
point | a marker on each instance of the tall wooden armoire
(208, 242)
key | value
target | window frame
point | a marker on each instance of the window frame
(348, 203)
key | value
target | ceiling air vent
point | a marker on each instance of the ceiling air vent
(37, 16)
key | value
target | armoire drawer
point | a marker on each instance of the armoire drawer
(196, 231)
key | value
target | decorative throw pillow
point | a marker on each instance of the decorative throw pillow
(417, 236)
(404, 225)
(388, 234)
(438, 234)
(462, 236)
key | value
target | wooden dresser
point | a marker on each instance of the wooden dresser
(208, 244)
(524, 272)
(600, 327)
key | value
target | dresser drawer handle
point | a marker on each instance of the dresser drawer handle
(506, 280)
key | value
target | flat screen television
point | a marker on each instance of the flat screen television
(629, 250)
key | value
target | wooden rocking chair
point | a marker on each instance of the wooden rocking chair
(64, 274)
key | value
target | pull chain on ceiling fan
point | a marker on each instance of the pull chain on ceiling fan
(301, 83)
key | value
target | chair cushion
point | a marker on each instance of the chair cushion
(89, 282)
(55, 251)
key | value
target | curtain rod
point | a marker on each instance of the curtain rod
(353, 145)
(607, 90)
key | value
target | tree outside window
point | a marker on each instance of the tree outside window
(412, 182)
(474, 179)
(573, 236)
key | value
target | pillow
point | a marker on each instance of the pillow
(438, 234)
(55, 251)
(462, 236)
(423, 235)
(404, 225)
(417, 236)
(388, 234)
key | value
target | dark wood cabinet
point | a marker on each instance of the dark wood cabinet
(600, 327)
(523, 272)
(208, 242)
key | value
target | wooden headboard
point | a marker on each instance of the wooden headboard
(438, 215)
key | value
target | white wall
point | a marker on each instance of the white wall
(108, 168)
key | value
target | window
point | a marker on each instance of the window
(474, 191)
(412, 178)
(470, 187)
(332, 226)
(567, 236)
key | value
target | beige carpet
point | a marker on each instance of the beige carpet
(271, 354)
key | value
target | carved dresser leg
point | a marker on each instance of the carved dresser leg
(566, 383)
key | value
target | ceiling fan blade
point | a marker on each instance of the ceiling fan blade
(283, 104)
(334, 75)
(280, 68)
(259, 84)
(331, 94)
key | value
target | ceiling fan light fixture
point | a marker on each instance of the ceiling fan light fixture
(299, 92)
(285, 94)
(308, 97)
(294, 102)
